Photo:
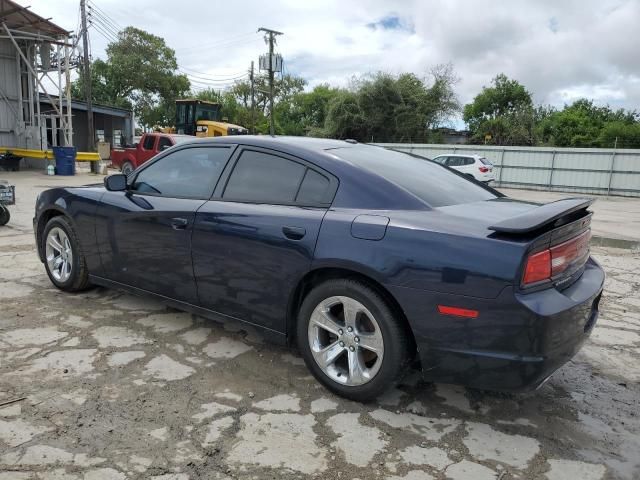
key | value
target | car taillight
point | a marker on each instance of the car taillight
(538, 267)
(484, 169)
(555, 260)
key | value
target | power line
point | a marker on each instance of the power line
(95, 15)
(106, 36)
(208, 75)
(213, 80)
(96, 21)
(106, 15)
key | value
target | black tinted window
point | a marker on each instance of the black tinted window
(260, 177)
(468, 161)
(485, 161)
(190, 173)
(314, 189)
(149, 140)
(164, 143)
(434, 184)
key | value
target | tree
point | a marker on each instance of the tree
(139, 72)
(585, 124)
(400, 108)
(504, 112)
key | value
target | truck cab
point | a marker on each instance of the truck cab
(129, 158)
(202, 119)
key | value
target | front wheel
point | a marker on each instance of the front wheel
(351, 340)
(127, 168)
(64, 259)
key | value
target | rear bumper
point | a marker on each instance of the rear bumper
(516, 342)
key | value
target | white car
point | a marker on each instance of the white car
(473, 165)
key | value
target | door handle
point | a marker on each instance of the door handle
(294, 233)
(179, 223)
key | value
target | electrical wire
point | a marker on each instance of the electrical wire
(109, 37)
(116, 25)
(197, 73)
(97, 21)
(93, 14)
(213, 80)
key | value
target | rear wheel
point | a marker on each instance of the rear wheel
(64, 260)
(127, 168)
(5, 216)
(351, 340)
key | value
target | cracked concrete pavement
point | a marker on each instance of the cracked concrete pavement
(118, 387)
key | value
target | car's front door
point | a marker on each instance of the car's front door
(255, 239)
(145, 233)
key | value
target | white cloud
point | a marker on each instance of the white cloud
(558, 50)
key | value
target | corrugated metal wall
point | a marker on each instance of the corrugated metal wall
(584, 170)
(8, 90)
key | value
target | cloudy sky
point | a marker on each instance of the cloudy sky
(560, 50)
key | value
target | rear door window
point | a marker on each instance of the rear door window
(164, 143)
(149, 141)
(468, 161)
(264, 178)
(314, 189)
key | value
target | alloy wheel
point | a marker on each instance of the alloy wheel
(59, 254)
(346, 341)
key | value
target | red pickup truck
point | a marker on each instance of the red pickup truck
(130, 158)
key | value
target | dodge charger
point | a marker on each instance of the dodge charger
(371, 261)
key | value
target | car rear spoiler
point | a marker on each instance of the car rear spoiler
(546, 214)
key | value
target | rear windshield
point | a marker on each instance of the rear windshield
(485, 161)
(435, 184)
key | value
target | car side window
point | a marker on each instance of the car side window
(453, 162)
(164, 143)
(468, 161)
(186, 173)
(264, 178)
(149, 140)
(441, 160)
(314, 189)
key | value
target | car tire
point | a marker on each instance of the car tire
(64, 259)
(331, 355)
(5, 216)
(127, 168)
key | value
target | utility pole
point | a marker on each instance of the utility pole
(272, 34)
(86, 70)
(253, 101)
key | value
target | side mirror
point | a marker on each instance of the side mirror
(116, 182)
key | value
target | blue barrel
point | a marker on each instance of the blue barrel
(65, 160)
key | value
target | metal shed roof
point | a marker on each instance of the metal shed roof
(20, 18)
(97, 108)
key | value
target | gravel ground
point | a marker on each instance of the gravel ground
(111, 386)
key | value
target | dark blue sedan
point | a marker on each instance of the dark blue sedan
(371, 260)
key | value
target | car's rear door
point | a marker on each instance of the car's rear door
(145, 233)
(255, 239)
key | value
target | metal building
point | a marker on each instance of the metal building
(34, 58)
(112, 124)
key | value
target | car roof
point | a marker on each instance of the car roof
(304, 143)
(466, 155)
